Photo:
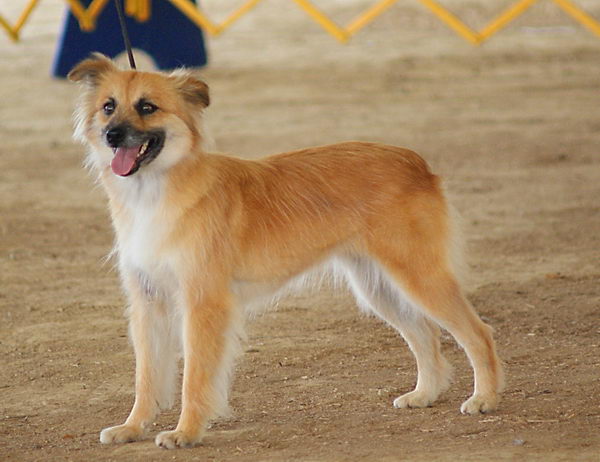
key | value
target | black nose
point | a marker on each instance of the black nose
(115, 136)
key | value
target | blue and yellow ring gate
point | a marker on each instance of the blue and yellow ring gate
(141, 10)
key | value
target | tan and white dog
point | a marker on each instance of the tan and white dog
(202, 236)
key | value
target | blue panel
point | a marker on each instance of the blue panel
(169, 37)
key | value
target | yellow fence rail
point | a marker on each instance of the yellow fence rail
(141, 10)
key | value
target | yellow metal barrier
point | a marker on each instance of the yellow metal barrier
(579, 15)
(507, 16)
(456, 24)
(140, 9)
(511, 13)
(87, 17)
(201, 20)
(13, 31)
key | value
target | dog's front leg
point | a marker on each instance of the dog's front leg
(210, 339)
(155, 346)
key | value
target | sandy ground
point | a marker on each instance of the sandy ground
(513, 127)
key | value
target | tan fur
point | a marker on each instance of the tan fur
(200, 236)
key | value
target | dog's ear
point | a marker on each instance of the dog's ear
(90, 70)
(193, 90)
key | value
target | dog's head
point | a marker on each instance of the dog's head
(137, 120)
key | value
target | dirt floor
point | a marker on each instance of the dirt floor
(512, 126)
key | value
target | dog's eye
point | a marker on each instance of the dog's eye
(147, 108)
(109, 107)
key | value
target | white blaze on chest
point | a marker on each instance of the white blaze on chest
(141, 244)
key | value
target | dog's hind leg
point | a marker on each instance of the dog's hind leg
(375, 293)
(421, 271)
(152, 333)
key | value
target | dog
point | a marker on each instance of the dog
(202, 238)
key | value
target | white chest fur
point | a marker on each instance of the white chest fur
(141, 241)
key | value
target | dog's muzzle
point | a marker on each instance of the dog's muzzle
(132, 148)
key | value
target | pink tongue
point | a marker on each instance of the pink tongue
(124, 160)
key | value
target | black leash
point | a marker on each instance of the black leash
(121, 14)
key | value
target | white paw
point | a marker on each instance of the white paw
(175, 439)
(414, 399)
(120, 434)
(477, 404)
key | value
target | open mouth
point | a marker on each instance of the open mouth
(127, 160)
